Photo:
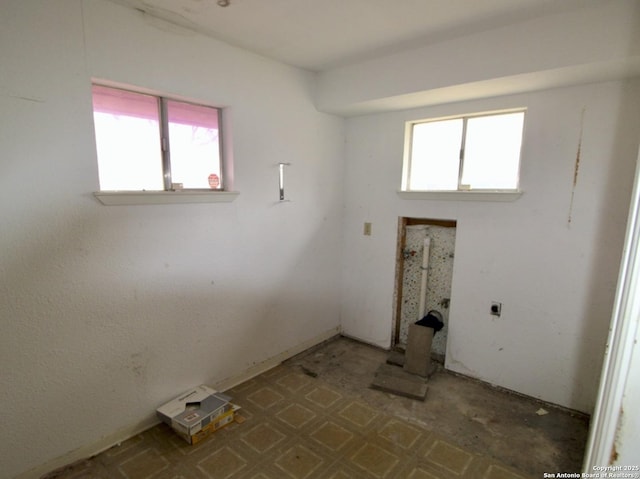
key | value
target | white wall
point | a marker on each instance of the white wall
(628, 436)
(555, 278)
(106, 312)
(614, 436)
(600, 41)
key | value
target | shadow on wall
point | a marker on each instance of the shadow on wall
(612, 219)
(128, 323)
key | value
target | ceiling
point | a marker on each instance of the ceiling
(322, 34)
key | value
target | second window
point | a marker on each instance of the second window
(466, 153)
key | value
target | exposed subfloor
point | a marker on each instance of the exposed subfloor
(473, 414)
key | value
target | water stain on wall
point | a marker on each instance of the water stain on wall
(576, 168)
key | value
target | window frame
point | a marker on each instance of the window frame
(462, 192)
(170, 194)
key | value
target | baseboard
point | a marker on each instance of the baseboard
(550, 405)
(364, 341)
(122, 435)
(270, 363)
(85, 452)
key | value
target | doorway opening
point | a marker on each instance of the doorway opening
(410, 287)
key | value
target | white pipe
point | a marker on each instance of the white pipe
(423, 282)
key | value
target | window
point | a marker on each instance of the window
(150, 143)
(480, 152)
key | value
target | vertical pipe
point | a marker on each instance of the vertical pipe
(423, 282)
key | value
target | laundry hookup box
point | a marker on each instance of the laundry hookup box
(197, 413)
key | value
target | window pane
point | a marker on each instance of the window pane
(127, 140)
(194, 145)
(435, 155)
(492, 151)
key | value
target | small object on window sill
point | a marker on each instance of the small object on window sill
(176, 186)
(214, 181)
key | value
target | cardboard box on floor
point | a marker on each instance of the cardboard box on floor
(197, 413)
(220, 422)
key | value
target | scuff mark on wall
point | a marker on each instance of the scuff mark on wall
(459, 367)
(167, 20)
(26, 98)
(576, 168)
(138, 364)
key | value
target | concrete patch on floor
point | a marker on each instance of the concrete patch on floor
(395, 380)
(396, 358)
(472, 414)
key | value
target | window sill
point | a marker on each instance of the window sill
(111, 198)
(461, 195)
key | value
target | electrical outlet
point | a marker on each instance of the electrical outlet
(367, 229)
(496, 308)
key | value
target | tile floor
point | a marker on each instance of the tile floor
(303, 421)
(479, 418)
